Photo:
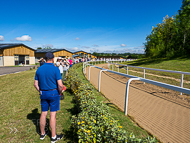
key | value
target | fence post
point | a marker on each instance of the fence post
(100, 79)
(118, 69)
(83, 68)
(181, 82)
(89, 73)
(144, 75)
(112, 66)
(127, 93)
(127, 70)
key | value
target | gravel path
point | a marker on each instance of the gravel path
(9, 70)
(162, 112)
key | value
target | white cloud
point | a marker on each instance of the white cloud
(77, 38)
(1, 38)
(122, 45)
(24, 38)
(94, 50)
(75, 49)
(85, 47)
(139, 47)
(95, 45)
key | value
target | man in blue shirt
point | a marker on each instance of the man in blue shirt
(49, 83)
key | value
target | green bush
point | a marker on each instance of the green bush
(94, 123)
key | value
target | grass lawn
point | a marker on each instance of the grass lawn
(20, 110)
(124, 121)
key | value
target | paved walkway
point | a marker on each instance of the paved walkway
(158, 110)
(8, 70)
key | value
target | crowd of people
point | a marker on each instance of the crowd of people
(64, 64)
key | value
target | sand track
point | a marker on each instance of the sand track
(160, 111)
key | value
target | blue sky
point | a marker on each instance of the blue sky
(89, 25)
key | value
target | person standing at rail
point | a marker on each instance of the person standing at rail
(60, 65)
(48, 82)
(70, 62)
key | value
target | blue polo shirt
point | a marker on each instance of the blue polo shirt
(47, 76)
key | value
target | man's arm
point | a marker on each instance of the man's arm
(36, 85)
(60, 86)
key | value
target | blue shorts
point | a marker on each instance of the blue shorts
(50, 99)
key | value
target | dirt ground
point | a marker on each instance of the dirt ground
(162, 112)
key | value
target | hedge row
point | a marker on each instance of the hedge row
(94, 123)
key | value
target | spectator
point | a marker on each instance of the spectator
(70, 62)
(48, 82)
(41, 61)
(59, 64)
(65, 65)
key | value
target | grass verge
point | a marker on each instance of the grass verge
(20, 110)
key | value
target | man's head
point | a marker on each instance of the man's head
(59, 59)
(49, 57)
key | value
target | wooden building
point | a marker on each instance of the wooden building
(40, 53)
(84, 54)
(16, 54)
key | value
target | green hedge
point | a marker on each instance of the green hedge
(94, 123)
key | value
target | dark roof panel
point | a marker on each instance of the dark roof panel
(50, 50)
(7, 45)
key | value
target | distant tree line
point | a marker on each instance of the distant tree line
(171, 38)
(44, 48)
(124, 55)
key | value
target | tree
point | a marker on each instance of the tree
(47, 47)
(39, 48)
(184, 25)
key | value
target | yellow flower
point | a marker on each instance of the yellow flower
(120, 126)
(88, 131)
(78, 123)
(94, 121)
(82, 122)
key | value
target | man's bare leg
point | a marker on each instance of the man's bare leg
(43, 122)
(53, 123)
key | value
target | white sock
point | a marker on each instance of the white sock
(54, 137)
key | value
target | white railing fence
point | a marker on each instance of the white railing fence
(177, 72)
(168, 86)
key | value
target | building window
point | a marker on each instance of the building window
(16, 57)
(27, 57)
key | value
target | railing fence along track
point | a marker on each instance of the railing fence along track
(178, 72)
(168, 86)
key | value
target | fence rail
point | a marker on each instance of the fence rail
(170, 71)
(168, 86)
